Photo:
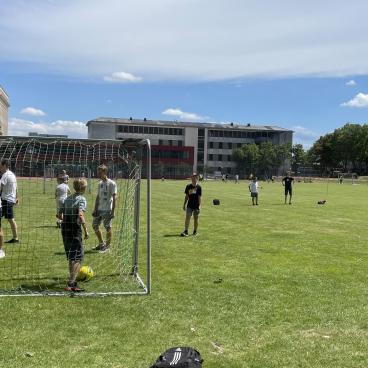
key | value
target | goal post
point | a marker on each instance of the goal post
(38, 264)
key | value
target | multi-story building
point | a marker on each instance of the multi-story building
(198, 146)
(4, 107)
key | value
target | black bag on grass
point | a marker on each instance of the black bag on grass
(179, 357)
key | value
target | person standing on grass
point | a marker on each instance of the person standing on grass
(104, 210)
(192, 204)
(61, 193)
(72, 213)
(287, 182)
(9, 197)
(253, 188)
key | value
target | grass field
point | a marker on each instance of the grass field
(293, 290)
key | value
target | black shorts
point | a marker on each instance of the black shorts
(288, 191)
(7, 209)
(72, 239)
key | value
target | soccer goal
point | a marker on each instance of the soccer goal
(37, 265)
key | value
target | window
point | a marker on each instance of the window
(230, 145)
(239, 145)
(166, 131)
(220, 145)
(219, 157)
(150, 130)
(155, 130)
(221, 133)
(140, 129)
(160, 130)
(135, 129)
(210, 157)
(211, 144)
(180, 143)
(160, 142)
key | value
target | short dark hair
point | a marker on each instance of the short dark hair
(5, 162)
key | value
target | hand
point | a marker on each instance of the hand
(184, 208)
(17, 201)
(86, 236)
(112, 215)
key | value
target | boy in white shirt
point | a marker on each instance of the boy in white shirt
(61, 192)
(104, 210)
(253, 188)
(9, 197)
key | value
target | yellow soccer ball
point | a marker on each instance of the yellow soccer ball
(85, 273)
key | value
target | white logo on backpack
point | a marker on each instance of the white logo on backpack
(176, 357)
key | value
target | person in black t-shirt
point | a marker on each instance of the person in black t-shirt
(287, 183)
(192, 204)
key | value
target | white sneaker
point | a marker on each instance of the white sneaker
(2, 254)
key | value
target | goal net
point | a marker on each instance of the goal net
(38, 264)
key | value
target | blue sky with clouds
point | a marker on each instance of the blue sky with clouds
(300, 65)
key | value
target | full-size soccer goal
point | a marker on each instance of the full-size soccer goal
(37, 265)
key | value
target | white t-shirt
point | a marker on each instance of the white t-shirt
(9, 187)
(253, 186)
(106, 189)
(62, 192)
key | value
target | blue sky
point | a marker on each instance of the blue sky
(300, 66)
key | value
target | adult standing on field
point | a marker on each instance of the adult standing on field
(104, 210)
(287, 182)
(192, 204)
(9, 197)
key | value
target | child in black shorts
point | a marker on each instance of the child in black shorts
(71, 212)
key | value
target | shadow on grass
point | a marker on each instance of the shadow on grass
(47, 227)
(172, 236)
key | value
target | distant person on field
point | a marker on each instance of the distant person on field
(72, 213)
(287, 182)
(65, 176)
(104, 210)
(236, 179)
(61, 192)
(192, 204)
(340, 179)
(9, 197)
(253, 188)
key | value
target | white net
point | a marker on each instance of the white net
(38, 263)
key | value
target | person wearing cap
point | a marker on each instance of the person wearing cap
(192, 204)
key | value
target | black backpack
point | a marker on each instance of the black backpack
(179, 357)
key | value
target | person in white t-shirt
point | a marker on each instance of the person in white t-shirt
(253, 188)
(104, 210)
(61, 192)
(9, 197)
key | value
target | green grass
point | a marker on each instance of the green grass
(293, 290)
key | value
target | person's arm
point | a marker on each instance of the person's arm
(94, 213)
(83, 222)
(199, 201)
(113, 205)
(185, 201)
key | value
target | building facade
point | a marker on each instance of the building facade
(4, 107)
(202, 147)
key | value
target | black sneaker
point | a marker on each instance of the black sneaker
(99, 246)
(184, 233)
(195, 233)
(104, 249)
(12, 241)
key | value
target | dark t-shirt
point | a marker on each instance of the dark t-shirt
(288, 181)
(194, 192)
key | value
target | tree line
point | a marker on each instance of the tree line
(344, 150)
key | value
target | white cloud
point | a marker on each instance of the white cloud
(74, 129)
(360, 100)
(122, 77)
(304, 136)
(351, 83)
(182, 115)
(188, 40)
(32, 111)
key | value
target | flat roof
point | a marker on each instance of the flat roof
(176, 123)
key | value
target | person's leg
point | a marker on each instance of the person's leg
(257, 199)
(195, 222)
(2, 253)
(290, 195)
(13, 226)
(187, 221)
(96, 228)
(108, 236)
(74, 267)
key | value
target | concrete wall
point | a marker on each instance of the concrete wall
(102, 131)
(191, 140)
(4, 106)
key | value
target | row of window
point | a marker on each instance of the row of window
(164, 142)
(224, 145)
(239, 134)
(149, 130)
(182, 155)
(219, 157)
